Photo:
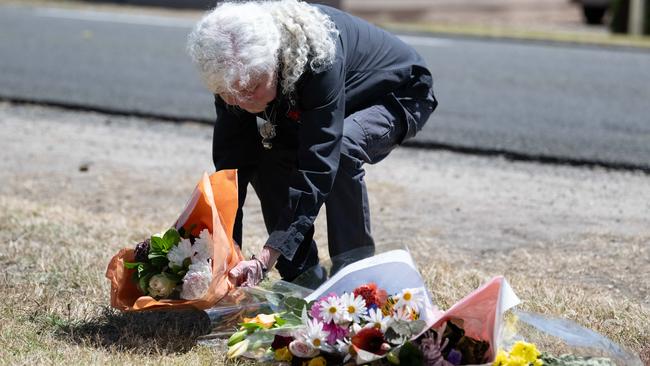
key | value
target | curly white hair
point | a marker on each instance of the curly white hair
(238, 42)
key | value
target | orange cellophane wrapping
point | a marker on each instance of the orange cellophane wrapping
(213, 206)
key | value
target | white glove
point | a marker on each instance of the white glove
(247, 273)
(252, 272)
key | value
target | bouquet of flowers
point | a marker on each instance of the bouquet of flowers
(189, 263)
(363, 325)
(174, 265)
(342, 323)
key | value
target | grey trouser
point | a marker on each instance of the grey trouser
(369, 135)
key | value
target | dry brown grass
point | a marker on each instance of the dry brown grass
(55, 296)
(59, 227)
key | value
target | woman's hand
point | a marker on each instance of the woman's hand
(251, 272)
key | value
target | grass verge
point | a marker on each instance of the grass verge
(55, 296)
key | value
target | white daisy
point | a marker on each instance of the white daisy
(376, 319)
(315, 335)
(331, 310)
(353, 307)
(202, 248)
(411, 297)
(179, 253)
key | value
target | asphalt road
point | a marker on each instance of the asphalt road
(573, 104)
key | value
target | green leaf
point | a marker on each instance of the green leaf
(294, 305)
(176, 269)
(157, 244)
(417, 326)
(401, 327)
(144, 283)
(237, 337)
(250, 327)
(393, 337)
(398, 332)
(132, 265)
(172, 276)
(159, 261)
(171, 237)
(410, 354)
(279, 321)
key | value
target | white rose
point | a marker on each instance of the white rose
(161, 286)
(302, 349)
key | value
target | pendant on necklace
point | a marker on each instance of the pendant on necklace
(268, 133)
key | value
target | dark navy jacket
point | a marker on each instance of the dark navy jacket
(370, 64)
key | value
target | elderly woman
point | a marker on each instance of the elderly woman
(335, 92)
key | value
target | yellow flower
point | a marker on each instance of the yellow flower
(516, 361)
(521, 354)
(389, 306)
(526, 351)
(501, 359)
(265, 321)
(318, 361)
(283, 354)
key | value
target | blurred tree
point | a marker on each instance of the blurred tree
(621, 17)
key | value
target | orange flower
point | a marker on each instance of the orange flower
(371, 294)
(265, 321)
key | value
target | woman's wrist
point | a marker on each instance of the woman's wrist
(268, 257)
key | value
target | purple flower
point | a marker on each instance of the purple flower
(336, 332)
(454, 357)
(281, 341)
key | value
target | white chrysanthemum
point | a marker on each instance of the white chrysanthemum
(196, 281)
(412, 298)
(202, 248)
(353, 307)
(179, 253)
(331, 310)
(314, 334)
(376, 319)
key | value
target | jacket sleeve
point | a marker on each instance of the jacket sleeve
(236, 142)
(322, 100)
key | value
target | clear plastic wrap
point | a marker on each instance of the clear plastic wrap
(563, 337)
(487, 314)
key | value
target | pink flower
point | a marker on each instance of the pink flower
(314, 312)
(336, 332)
(302, 349)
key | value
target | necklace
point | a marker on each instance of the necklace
(267, 130)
